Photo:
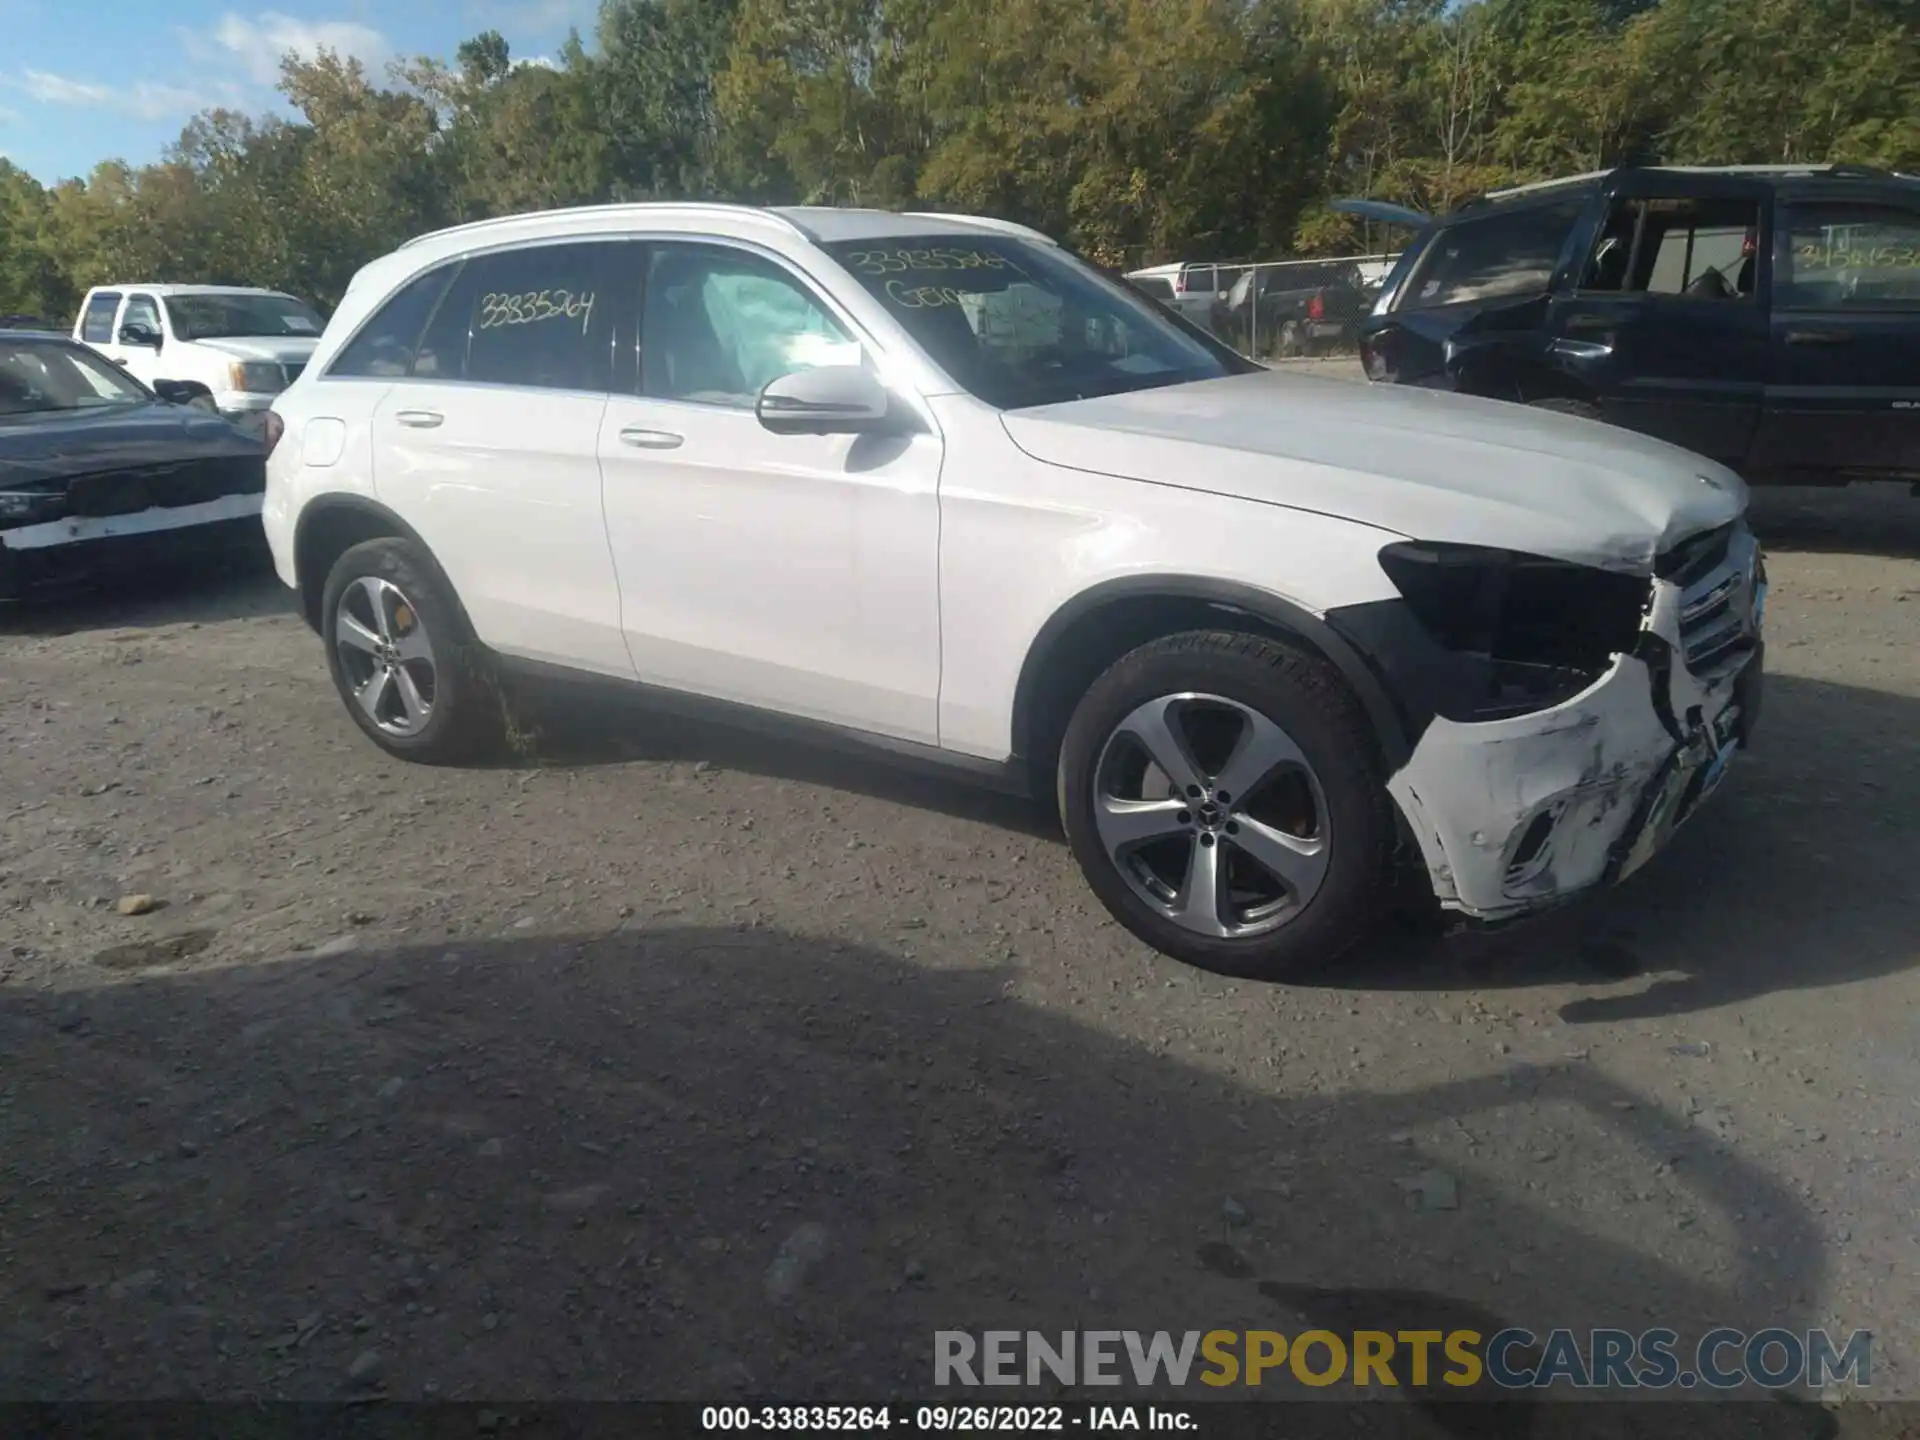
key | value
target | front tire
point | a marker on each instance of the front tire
(1221, 794)
(403, 659)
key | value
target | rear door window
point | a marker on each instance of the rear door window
(96, 327)
(1202, 279)
(1698, 249)
(1850, 256)
(1494, 258)
(538, 317)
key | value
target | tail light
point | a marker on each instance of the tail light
(1374, 358)
(271, 429)
(1316, 308)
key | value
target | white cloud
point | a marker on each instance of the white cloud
(260, 43)
(143, 98)
(540, 16)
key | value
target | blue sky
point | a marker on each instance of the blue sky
(82, 83)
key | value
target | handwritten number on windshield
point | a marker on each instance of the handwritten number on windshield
(534, 307)
(900, 262)
(923, 297)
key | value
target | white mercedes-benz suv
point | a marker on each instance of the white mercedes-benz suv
(933, 484)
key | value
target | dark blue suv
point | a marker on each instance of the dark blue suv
(1765, 316)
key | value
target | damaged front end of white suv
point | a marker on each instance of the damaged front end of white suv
(1569, 718)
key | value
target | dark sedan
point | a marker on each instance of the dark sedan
(99, 475)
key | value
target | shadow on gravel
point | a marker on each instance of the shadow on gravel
(1796, 874)
(721, 1163)
(575, 726)
(234, 588)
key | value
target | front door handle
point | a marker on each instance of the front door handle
(1816, 337)
(419, 419)
(1589, 322)
(643, 439)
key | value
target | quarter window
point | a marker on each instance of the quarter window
(386, 345)
(1850, 257)
(719, 324)
(96, 326)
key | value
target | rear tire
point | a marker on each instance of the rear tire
(403, 658)
(1291, 872)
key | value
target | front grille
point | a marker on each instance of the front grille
(1695, 557)
(188, 482)
(1716, 578)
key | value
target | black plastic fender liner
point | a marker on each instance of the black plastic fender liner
(1390, 729)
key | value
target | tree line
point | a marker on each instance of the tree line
(1138, 130)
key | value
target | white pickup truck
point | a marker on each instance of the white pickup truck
(241, 346)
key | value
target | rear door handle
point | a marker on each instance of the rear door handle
(1589, 322)
(643, 439)
(1817, 337)
(419, 419)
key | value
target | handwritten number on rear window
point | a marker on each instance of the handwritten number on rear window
(535, 307)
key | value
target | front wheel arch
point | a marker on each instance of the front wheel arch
(1089, 632)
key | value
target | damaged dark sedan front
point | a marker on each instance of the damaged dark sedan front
(99, 475)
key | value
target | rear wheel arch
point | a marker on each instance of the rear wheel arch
(1090, 632)
(332, 525)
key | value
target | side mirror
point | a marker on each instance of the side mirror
(177, 392)
(138, 334)
(832, 400)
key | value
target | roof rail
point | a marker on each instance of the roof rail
(1528, 189)
(986, 222)
(697, 206)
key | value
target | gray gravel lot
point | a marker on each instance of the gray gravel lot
(672, 1062)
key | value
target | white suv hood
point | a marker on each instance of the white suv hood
(280, 349)
(1424, 464)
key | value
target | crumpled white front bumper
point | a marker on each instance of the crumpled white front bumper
(1517, 815)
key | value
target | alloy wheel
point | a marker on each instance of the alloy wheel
(1212, 815)
(386, 656)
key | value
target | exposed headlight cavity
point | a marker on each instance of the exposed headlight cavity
(1539, 631)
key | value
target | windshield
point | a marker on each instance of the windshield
(42, 379)
(206, 317)
(1021, 324)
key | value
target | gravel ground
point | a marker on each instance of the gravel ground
(668, 1062)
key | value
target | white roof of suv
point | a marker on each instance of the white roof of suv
(820, 224)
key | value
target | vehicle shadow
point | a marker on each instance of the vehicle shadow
(1724, 914)
(237, 587)
(1855, 520)
(1797, 874)
(720, 1163)
(570, 726)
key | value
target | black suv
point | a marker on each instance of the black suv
(1765, 316)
